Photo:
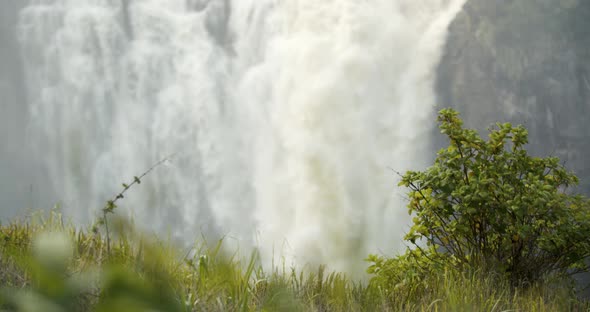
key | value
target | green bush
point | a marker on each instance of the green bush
(487, 204)
(46, 265)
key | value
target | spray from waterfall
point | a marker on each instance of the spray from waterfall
(284, 116)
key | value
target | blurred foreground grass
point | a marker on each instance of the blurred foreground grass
(48, 265)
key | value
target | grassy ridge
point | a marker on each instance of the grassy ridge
(141, 274)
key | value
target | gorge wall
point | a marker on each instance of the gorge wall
(525, 61)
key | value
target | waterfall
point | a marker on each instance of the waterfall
(283, 116)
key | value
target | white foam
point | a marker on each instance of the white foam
(284, 115)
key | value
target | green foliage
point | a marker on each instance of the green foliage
(484, 204)
(46, 265)
(413, 282)
(487, 204)
(407, 276)
(145, 275)
(57, 268)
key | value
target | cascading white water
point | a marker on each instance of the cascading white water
(283, 116)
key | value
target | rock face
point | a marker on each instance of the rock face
(524, 61)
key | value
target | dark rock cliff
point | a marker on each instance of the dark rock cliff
(524, 61)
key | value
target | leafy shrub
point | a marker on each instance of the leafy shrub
(487, 204)
(408, 276)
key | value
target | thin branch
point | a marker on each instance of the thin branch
(137, 180)
(110, 206)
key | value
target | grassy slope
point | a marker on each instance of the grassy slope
(140, 274)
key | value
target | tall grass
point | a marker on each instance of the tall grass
(140, 274)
